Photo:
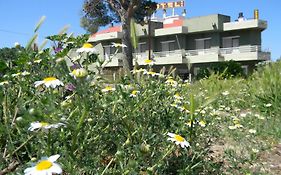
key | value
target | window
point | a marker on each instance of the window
(142, 47)
(232, 41)
(203, 43)
(168, 46)
(109, 50)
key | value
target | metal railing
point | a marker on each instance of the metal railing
(202, 52)
(198, 52)
(241, 49)
(168, 53)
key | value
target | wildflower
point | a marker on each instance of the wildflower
(255, 150)
(70, 87)
(188, 123)
(261, 117)
(177, 96)
(149, 62)
(252, 131)
(45, 166)
(37, 61)
(3, 83)
(225, 93)
(174, 105)
(179, 140)
(202, 123)
(87, 48)
(17, 45)
(232, 127)
(268, 105)
(238, 125)
(16, 74)
(49, 81)
(24, 73)
(183, 109)
(108, 89)
(134, 93)
(43, 125)
(138, 70)
(171, 82)
(202, 111)
(118, 45)
(79, 73)
(150, 73)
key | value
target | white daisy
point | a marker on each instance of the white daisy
(45, 167)
(16, 74)
(178, 97)
(79, 73)
(24, 73)
(202, 123)
(37, 61)
(138, 70)
(150, 73)
(134, 93)
(252, 131)
(49, 81)
(87, 48)
(225, 93)
(108, 89)
(179, 140)
(268, 105)
(171, 82)
(118, 45)
(3, 83)
(43, 125)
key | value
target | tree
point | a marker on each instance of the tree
(103, 12)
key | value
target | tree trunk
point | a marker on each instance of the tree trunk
(127, 51)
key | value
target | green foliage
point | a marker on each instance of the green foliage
(119, 131)
(227, 69)
(98, 13)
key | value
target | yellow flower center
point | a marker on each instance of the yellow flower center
(134, 92)
(109, 88)
(44, 165)
(151, 73)
(147, 61)
(87, 45)
(44, 124)
(48, 79)
(179, 138)
(170, 80)
(79, 72)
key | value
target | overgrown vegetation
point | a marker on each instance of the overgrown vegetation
(222, 126)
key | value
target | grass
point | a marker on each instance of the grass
(114, 132)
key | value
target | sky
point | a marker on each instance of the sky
(19, 17)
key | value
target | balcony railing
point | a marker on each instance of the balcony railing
(202, 52)
(167, 53)
(241, 49)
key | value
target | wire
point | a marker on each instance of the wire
(13, 32)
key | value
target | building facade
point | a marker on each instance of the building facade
(199, 41)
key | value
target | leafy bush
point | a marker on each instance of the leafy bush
(226, 69)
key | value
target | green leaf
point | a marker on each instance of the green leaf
(38, 25)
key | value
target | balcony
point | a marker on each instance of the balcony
(244, 53)
(162, 58)
(247, 24)
(203, 55)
